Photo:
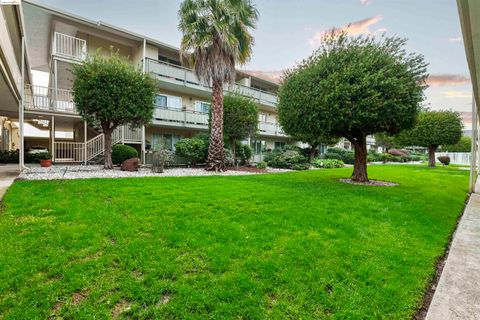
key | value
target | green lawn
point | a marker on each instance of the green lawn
(299, 245)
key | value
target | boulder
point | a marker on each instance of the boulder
(130, 164)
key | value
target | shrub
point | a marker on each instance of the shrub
(373, 156)
(385, 157)
(9, 156)
(228, 157)
(161, 158)
(284, 159)
(445, 160)
(36, 157)
(300, 166)
(193, 149)
(396, 159)
(261, 165)
(327, 163)
(341, 154)
(244, 153)
(121, 152)
(415, 157)
(399, 153)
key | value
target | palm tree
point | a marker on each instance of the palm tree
(216, 37)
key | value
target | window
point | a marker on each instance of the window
(203, 107)
(279, 145)
(168, 60)
(165, 101)
(262, 117)
(168, 140)
(258, 146)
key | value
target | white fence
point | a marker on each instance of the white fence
(456, 157)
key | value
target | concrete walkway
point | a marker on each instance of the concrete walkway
(8, 173)
(458, 292)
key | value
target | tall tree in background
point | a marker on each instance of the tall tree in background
(352, 87)
(433, 129)
(216, 37)
(109, 92)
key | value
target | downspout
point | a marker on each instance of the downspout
(21, 111)
(473, 155)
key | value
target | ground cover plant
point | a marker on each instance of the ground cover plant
(276, 246)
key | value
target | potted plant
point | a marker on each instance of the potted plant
(45, 159)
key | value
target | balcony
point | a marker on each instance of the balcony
(69, 47)
(270, 129)
(39, 98)
(186, 77)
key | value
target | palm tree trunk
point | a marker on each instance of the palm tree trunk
(216, 157)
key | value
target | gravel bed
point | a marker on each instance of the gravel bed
(377, 183)
(93, 171)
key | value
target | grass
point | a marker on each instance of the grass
(282, 246)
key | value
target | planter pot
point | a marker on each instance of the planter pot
(46, 163)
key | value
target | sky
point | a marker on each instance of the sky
(289, 30)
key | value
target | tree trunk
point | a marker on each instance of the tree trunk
(313, 152)
(431, 156)
(360, 165)
(216, 157)
(107, 164)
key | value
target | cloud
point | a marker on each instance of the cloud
(365, 2)
(272, 75)
(457, 94)
(455, 39)
(354, 29)
(441, 80)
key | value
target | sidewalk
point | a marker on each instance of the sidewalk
(8, 173)
(458, 292)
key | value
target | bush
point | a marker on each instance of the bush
(396, 159)
(244, 153)
(8, 156)
(300, 166)
(327, 163)
(385, 157)
(36, 157)
(228, 157)
(373, 156)
(444, 160)
(121, 152)
(161, 158)
(261, 165)
(341, 154)
(193, 149)
(284, 159)
(399, 153)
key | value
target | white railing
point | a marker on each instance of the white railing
(47, 99)
(69, 152)
(132, 134)
(186, 76)
(456, 157)
(69, 47)
(270, 128)
(6, 47)
(181, 117)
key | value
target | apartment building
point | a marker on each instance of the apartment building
(13, 72)
(56, 40)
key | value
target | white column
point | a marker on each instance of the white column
(85, 142)
(55, 83)
(21, 161)
(143, 145)
(52, 137)
(473, 160)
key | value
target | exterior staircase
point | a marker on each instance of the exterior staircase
(80, 152)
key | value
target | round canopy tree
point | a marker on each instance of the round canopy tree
(432, 129)
(352, 87)
(109, 92)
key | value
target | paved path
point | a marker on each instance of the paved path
(458, 292)
(8, 173)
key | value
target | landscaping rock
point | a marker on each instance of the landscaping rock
(131, 164)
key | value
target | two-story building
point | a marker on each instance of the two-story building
(56, 40)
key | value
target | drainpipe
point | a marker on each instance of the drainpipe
(142, 153)
(84, 142)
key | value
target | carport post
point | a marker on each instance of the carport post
(84, 142)
(52, 138)
(473, 155)
(21, 159)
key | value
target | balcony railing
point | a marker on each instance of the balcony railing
(182, 118)
(69, 47)
(270, 129)
(181, 75)
(48, 99)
